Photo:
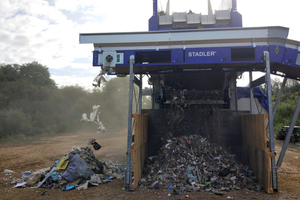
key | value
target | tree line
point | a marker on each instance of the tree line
(32, 104)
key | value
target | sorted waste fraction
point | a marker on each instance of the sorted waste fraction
(78, 169)
(192, 163)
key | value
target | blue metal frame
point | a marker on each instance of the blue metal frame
(214, 55)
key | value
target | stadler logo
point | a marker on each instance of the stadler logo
(202, 53)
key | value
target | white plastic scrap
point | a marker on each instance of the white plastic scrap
(85, 118)
(8, 171)
(94, 113)
(101, 127)
(100, 79)
(93, 116)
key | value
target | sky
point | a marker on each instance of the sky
(47, 31)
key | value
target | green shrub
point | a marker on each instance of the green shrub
(14, 122)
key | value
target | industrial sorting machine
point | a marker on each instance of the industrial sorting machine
(206, 54)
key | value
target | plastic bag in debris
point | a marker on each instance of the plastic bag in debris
(88, 155)
(55, 176)
(96, 146)
(77, 168)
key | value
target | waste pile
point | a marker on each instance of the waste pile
(77, 169)
(191, 163)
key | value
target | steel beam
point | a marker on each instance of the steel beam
(137, 81)
(258, 82)
(288, 135)
(251, 93)
(140, 94)
(271, 131)
(233, 92)
(128, 172)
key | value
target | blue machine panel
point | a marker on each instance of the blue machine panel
(276, 53)
(95, 58)
(177, 56)
(212, 55)
(259, 53)
(290, 56)
(207, 55)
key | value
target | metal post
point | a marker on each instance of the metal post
(154, 7)
(140, 94)
(234, 6)
(251, 92)
(129, 136)
(271, 131)
(288, 135)
(233, 93)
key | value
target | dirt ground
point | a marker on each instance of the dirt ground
(30, 154)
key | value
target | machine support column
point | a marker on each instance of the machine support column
(140, 94)
(288, 135)
(271, 131)
(251, 92)
(129, 136)
(233, 93)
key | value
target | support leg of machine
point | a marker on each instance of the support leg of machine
(271, 130)
(129, 136)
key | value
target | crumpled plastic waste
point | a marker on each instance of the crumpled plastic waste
(55, 176)
(8, 171)
(191, 163)
(95, 114)
(20, 184)
(99, 79)
(95, 144)
(77, 168)
(183, 98)
(69, 188)
(25, 174)
(33, 178)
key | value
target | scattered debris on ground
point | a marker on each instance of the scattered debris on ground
(191, 163)
(78, 169)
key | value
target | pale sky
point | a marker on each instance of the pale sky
(47, 31)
